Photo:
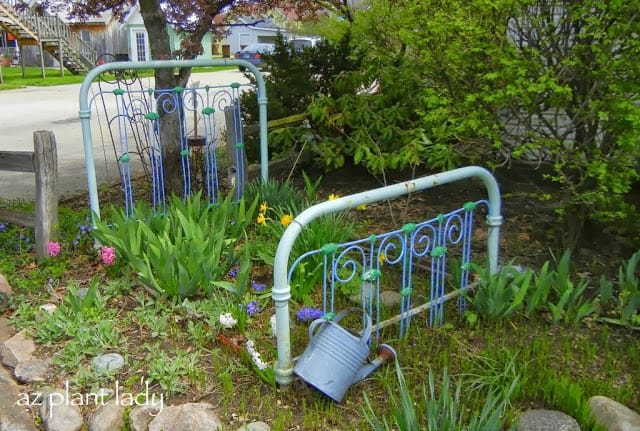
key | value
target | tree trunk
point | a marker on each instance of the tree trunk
(170, 122)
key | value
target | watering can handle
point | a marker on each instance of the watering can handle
(366, 335)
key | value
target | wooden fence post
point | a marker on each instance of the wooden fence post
(45, 163)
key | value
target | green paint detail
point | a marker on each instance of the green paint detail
(150, 91)
(406, 291)
(119, 92)
(178, 89)
(439, 251)
(469, 206)
(329, 248)
(184, 153)
(239, 145)
(207, 88)
(329, 316)
(235, 85)
(441, 218)
(409, 227)
(371, 275)
(125, 158)
(373, 238)
(208, 110)
(465, 266)
(151, 116)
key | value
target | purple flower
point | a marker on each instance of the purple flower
(233, 272)
(306, 314)
(2, 227)
(258, 287)
(252, 308)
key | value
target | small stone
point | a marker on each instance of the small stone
(32, 370)
(547, 420)
(109, 417)
(141, 416)
(82, 292)
(390, 299)
(16, 349)
(107, 362)
(190, 416)
(7, 330)
(5, 292)
(58, 414)
(612, 415)
(255, 426)
(48, 308)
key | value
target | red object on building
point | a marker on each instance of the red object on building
(10, 37)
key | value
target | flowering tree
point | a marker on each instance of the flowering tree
(192, 19)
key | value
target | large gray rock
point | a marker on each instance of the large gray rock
(13, 406)
(109, 417)
(612, 415)
(58, 413)
(141, 416)
(547, 420)
(190, 416)
(16, 349)
(32, 370)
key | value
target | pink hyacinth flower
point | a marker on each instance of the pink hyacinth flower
(108, 255)
(53, 248)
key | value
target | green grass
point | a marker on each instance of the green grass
(12, 76)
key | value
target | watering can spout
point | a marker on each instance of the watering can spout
(386, 353)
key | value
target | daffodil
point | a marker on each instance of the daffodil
(333, 197)
(382, 259)
(286, 219)
(263, 207)
(261, 220)
(361, 207)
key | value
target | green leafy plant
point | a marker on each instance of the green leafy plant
(539, 293)
(623, 302)
(571, 306)
(441, 410)
(182, 252)
(502, 294)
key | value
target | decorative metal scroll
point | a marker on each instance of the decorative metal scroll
(414, 261)
(132, 113)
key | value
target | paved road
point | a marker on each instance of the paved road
(24, 111)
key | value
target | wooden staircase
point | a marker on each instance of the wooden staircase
(51, 33)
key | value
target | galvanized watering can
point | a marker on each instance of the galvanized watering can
(336, 358)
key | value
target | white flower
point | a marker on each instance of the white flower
(227, 320)
(255, 356)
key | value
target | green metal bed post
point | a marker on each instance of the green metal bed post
(85, 113)
(281, 292)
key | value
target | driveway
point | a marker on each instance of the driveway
(24, 111)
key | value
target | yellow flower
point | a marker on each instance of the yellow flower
(382, 259)
(263, 207)
(333, 197)
(285, 220)
(361, 207)
(261, 220)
